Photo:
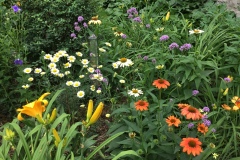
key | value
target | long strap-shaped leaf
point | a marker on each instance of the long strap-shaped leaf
(22, 138)
(124, 153)
(103, 144)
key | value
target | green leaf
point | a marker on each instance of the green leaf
(103, 144)
(125, 153)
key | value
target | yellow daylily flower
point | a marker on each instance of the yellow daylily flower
(56, 136)
(225, 92)
(34, 108)
(96, 114)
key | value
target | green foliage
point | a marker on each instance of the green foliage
(50, 24)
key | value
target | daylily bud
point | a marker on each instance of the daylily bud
(96, 114)
(53, 115)
(225, 92)
(40, 119)
(90, 110)
(9, 135)
(56, 136)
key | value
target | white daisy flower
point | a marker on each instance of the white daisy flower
(122, 81)
(79, 54)
(47, 56)
(61, 53)
(84, 61)
(67, 65)
(135, 92)
(52, 65)
(27, 70)
(54, 71)
(124, 62)
(85, 66)
(54, 59)
(37, 70)
(108, 44)
(76, 84)
(100, 66)
(67, 72)
(92, 88)
(98, 91)
(25, 86)
(102, 50)
(90, 69)
(69, 83)
(42, 73)
(80, 94)
(81, 76)
(30, 79)
(61, 75)
(196, 31)
(115, 66)
(71, 58)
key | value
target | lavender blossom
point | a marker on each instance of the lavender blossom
(145, 58)
(185, 47)
(206, 122)
(173, 45)
(85, 25)
(154, 60)
(206, 109)
(137, 19)
(148, 25)
(132, 10)
(227, 79)
(195, 92)
(190, 125)
(124, 36)
(77, 28)
(98, 71)
(80, 19)
(75, 23)
(164, 38)
(130, 16)
(73, 35)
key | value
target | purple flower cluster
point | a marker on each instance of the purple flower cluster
(132, 12)
(185, 47)
(148, 25)
(124, 36)
(195, 92)
(18, 62)
(206, 109)
(164, 38)
(137, 19)
(154, 60)
(190, 125)
(77, 27)
(145, 58)
(173, 45)
(206, 121)
(16, 9)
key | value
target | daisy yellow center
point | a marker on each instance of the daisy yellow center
(135, 91)
(196, 31)
(192, 144)
(141, 103)
(123, 60)
(192, 109)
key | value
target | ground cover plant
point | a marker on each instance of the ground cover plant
(147, 81)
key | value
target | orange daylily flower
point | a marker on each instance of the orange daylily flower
(33, 109)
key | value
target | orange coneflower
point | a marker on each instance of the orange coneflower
(191, 113)
(202, 128)
(191, 146)
(182, 105)
(171, 120)
(141, 105)
(161, 83)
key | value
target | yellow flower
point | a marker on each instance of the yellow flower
(34, 108)
(225, 92)
(9, 135)
(90, 110)
(96, 114)
(167, 17)
(56, 136)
